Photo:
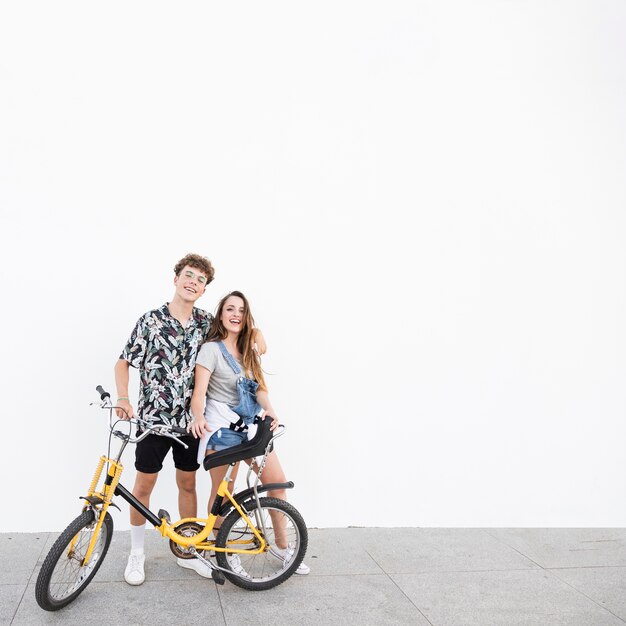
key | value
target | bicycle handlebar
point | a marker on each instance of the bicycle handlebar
(103, 394)
(162, 430)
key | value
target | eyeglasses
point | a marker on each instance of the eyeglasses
(199, 277)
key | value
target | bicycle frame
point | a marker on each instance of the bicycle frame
(166, 528)
(100, 500)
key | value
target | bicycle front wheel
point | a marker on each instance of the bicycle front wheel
(63, 575)
(286, 535)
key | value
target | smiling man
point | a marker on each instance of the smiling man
(163, 347)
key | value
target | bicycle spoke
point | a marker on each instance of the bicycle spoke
(285, 535)
(63, 576)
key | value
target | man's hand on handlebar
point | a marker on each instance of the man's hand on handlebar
(124, 409)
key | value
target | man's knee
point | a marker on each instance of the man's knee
(144, 484)
(186, 481)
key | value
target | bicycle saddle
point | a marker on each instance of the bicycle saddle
(247, 450)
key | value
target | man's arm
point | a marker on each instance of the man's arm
(121, 382)
(257, 338)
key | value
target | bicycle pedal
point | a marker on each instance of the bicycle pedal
(218, 577)
(164, 514)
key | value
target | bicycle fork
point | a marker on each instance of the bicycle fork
(100, 498)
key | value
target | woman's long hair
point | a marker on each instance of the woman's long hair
(251, 360)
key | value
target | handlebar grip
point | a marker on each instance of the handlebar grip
(179, 430)
(103, 394)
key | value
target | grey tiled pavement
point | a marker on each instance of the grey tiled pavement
(417, 576)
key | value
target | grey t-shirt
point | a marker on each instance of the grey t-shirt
(223, 381)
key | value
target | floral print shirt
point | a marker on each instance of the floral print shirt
(165, 354)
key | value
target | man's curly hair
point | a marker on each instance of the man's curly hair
(197, 262)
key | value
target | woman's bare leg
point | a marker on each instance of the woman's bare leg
(217, 475)
(273, 473)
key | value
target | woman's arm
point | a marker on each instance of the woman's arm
(201, 384)
(263, 398)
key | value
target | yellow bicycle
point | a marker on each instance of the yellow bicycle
(259, 545)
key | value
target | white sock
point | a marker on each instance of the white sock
(137, 534)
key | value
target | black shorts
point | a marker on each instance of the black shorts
(150, 452)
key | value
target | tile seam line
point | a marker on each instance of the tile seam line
(588, 598)
(504, 543)
(151, 582)
(350, 574)
(565, 567)
(430, 571)
(464, 571)
(381, 573)
(219, 599)
(545, 569)
(19, 604)
(395, 584)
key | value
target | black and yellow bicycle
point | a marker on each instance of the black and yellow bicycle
(259, 545)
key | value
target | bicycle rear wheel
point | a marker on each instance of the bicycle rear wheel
(286, 535)
(63, 576)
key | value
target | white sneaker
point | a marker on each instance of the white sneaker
(197, 566)
(236, 566)
(134, 574)
(286, 555)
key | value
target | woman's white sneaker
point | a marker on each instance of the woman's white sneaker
(236, 566)
(286, 555)
(134, 573)
(197, 566)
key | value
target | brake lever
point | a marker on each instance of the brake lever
(163, 432)
(177, 440)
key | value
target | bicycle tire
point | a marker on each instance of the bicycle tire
(62, 577)
(268, 569)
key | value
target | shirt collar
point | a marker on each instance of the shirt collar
(191, 323)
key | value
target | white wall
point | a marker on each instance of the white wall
(424, 201)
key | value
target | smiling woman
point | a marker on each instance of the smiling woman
(229, 393)
(226, 361)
